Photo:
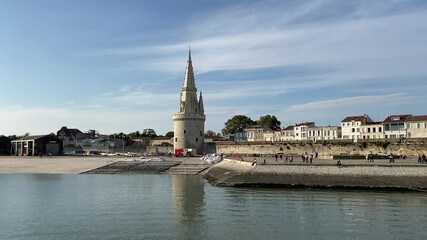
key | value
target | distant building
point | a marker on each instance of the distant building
(350, 126)
(256, 133)
(324, 133)
(5, 144)
(161, 141)
(287, 134)
(240, 135)
(395, 126)
(301, 130)
(37, 145)
(417, 126)
(272, 135)
(69, 136)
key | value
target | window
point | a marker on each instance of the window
(353, 130)
(369, 130)
(357, 130)
(197, 139)
(185, 131)
(379, 129)
(374, 129)
(176, 139)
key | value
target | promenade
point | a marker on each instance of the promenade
(410, 161)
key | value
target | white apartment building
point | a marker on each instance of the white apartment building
(324, 133)
(300, 130)
(351, 126)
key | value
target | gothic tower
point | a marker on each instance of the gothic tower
(189, 122)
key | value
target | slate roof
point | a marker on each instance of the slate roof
(69, 131)
(289, 128)
(417, 118)
(304, 124)
(400, 118)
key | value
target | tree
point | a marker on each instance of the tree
(148, 132)
(236, 122)
(169, 134)
(134, 135)
(269, 121)
(210, 133)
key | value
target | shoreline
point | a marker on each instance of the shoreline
(242, 174)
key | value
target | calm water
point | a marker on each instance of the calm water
(39, 206)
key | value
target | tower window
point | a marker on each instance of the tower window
(176, 139)
(185, 131)
(197, 139)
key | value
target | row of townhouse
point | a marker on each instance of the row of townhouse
(353, 127)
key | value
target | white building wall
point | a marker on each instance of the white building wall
(417, 130)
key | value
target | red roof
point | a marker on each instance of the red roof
(304, 124)
(289, 128)
(355, 118)
(397, 118)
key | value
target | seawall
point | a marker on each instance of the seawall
(238, 173)
(327, 149)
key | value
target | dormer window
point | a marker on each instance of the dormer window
(395, 118)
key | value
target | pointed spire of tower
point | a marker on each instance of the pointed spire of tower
(201, 107)
(189, 81)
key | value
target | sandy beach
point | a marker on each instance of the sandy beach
(57, 164)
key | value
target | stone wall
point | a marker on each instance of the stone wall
(237, 173)
(327, 148)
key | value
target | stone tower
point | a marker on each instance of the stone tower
(189, 122)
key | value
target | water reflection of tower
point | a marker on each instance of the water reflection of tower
(188, 194)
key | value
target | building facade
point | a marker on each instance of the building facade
(287, 134)
(323, 133)
(372, 130)
(69, 136)
(37, 145)
(395, 126)
(189, 122)
(256, 133)
(300, 130)
(417, 126)
(350, 126)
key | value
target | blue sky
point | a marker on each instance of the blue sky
(118, 66)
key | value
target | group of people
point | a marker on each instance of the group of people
(288, 159)
(369, 157)
(308, 158)
(422, 158)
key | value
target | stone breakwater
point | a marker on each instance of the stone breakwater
(237, 173)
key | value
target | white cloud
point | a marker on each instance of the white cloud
(357, 101)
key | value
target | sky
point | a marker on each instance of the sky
(118, 65)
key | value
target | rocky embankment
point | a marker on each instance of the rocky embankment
(238, 173)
